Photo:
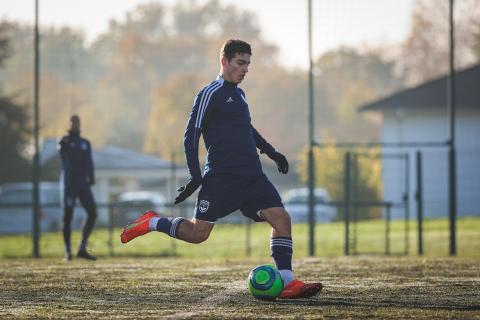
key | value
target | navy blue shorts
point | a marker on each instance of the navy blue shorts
(222, 194)
(84, 195)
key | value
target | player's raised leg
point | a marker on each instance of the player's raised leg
(193, 231)
(281, 248)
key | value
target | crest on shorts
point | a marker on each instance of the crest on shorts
(203, 206)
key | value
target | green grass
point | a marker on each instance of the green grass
(157, 277)
(179, 288)
(229, 241)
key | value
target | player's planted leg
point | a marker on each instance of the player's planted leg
(87, 230)
(281, 247)
(67, 231)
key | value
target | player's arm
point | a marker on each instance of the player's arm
(270, 151)
(62, 146)
(261, 143)
(190, 143)
(90, 169)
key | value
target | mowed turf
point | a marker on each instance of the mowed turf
(234, 241)
(180, 288)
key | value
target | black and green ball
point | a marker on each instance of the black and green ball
(265, 282)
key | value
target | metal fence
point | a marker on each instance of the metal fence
(412, 186)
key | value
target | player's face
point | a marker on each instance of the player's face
(75, 125)
(236, 69)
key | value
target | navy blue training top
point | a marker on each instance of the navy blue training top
(77, 165)
(220, 113)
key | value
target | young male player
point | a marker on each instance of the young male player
(76, 178)
(233, 178)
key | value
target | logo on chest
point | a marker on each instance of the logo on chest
(229, 100)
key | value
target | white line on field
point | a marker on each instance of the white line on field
(211, 302)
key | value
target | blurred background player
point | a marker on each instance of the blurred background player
(233, 178)
(76, 177)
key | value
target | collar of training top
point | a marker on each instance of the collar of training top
(219, 77)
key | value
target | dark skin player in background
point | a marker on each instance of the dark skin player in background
(76, 178)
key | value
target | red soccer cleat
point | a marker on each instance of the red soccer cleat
(138, 227)
(299, 290)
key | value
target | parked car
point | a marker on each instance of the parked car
(296, 203)
(16, 202)
(132, 204)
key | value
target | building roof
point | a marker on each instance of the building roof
(433, 94)
(110, 158)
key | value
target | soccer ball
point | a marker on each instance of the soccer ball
(265, 282)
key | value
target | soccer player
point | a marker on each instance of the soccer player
(75, 180)
(233, 177)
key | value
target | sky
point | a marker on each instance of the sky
(283, 22)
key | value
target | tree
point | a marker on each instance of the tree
(4, 47)
(13, 129)
(159, 54)
(168, 118)
(476, 44)
(345, 79)
(277, 100)
(329, 174)
(118, 83)
(425, 52)
(66, 78)
(14, 134)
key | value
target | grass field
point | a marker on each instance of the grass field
(179, 288)
(155, 277)
(230, 241)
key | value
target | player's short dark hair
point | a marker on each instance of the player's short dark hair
(232, 46)
(74, 118)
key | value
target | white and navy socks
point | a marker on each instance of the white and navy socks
(166, 225)
(281, 249)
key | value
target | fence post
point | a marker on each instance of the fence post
(419, 198)
(406, 203)
(354, 199)
(346, 201)
(111, 208)
(452, 212)
(387, 228)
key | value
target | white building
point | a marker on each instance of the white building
(419, 115)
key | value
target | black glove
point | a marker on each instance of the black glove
(187, 190)
(63, 142)
(280, 160)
